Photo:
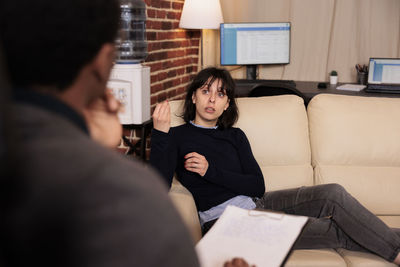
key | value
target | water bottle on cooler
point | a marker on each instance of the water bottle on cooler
(131, 41)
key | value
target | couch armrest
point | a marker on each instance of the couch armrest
(184, 203)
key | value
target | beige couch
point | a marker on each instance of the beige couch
(353, 141)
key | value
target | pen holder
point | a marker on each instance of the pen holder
(362, 78)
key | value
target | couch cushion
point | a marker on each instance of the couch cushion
(361, 259)
(184, 203)
(176, 107)
(277, 129)
(355, 142)
(315, 257)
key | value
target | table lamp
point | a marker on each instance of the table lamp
(201, 14)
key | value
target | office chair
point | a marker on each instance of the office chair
(276, 88)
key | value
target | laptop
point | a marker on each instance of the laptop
(384, 75)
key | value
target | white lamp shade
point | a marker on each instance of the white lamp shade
(201, 14)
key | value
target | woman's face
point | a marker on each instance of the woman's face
(210, 103)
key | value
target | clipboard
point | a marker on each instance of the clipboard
(262, 238)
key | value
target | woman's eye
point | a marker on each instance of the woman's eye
(204, 91)
(221, 94)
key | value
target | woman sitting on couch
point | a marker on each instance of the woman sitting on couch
(214, 161)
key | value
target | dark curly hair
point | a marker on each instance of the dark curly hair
(209, 75)
(47, 42)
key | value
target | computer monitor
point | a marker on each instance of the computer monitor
(257, 43)
(384, 71)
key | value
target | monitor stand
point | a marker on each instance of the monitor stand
(251, 72)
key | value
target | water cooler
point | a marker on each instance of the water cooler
(129, 80)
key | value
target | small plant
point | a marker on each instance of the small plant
(334, 73)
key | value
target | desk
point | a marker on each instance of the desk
(309, 89)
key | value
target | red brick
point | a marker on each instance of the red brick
(171, 93)
(194, 42)
(185, 43)
(152, 46)
(180, 71)
(173, 15)
(153, 100)
(166, 25)
(156, 88)
(191, 34)
(175, 24)
(167, 64)
(179, 62)
(188, 61)
(180, 53)
(162, 76)
(153, 25)
(171, 73)
(166, 35)
(181, 34)
(154, 66)
(172, 54)
(166, 4)
(161, 97)
(166, 45)
(161, 14)
(185, 79)
(168, 84)
(177, 5)
(151, 13)
(192, 51)
(156, 56)
(180, 90)
(155, 3)
(177, 81)
(151, 35)
(189, 69)
(153, 78)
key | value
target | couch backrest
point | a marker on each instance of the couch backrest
(355, 142)
(277, 129)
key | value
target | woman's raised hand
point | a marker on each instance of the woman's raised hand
(197, 163)
(162, 117)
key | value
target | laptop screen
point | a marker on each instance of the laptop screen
(384, 71)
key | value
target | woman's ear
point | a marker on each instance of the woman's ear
(193, 98)
(227, 104)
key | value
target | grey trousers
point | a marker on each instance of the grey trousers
(337, 220)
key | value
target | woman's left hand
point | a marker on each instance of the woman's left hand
(197, 163)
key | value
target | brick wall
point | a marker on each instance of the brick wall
(173, 55)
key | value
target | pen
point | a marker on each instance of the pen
(363, 68)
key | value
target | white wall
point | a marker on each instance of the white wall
(326, 35)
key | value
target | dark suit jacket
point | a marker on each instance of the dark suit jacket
(77, 203)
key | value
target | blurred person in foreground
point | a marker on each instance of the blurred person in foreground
(75, 202)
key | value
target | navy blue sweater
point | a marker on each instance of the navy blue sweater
(232, 168)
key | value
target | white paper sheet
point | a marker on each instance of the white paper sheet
(351, 87)
(261, 238)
